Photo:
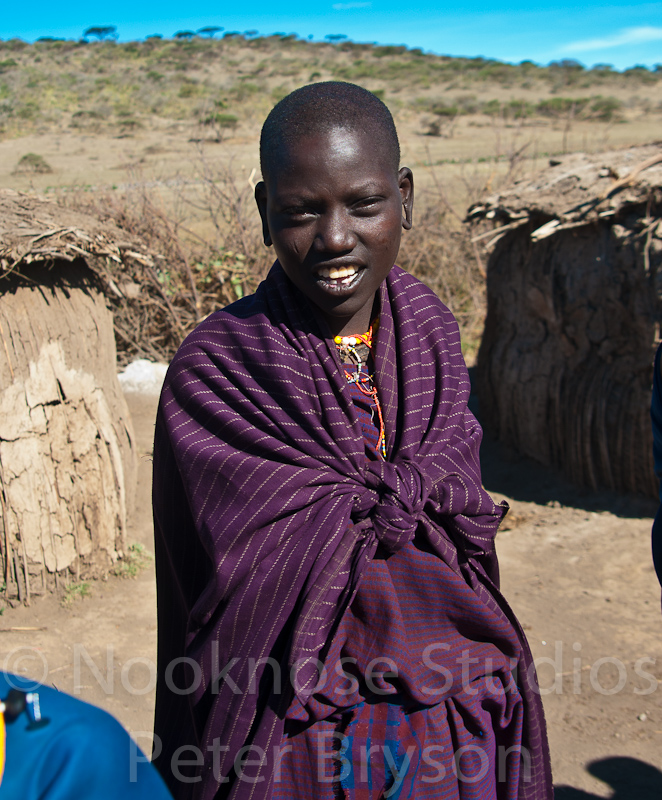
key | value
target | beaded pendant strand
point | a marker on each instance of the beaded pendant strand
(349, 349)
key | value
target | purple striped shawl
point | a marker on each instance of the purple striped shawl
(259, 469)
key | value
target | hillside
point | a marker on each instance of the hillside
(162, 136)
(57, 85)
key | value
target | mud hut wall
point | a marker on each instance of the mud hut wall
(564, 370)
(67, 458)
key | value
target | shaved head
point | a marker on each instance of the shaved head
(321, 108)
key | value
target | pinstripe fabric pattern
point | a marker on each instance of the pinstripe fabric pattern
(365, 411)
(455, 748)
(384, 749)
(259, 469)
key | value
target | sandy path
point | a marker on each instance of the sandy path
(575, 566)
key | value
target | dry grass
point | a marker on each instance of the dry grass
(195, 275)
(204, 267)
(161, 137)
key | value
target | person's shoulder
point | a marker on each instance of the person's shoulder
(70, 746)
(58, 709)
(224, 327)
(245, 312)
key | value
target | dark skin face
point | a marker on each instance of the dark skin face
(334, 208)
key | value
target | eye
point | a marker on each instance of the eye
(298, 212)
(367, 205)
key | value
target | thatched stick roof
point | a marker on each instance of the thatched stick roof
(149, 320)
(36, 229)
(575, 190)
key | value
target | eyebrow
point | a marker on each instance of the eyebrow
(305, 195)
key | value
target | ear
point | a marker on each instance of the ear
(406, 184)
(261, 200)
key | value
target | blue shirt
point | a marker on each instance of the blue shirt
(81, 753)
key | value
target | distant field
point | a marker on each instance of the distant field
(94, 111)
(174, 119)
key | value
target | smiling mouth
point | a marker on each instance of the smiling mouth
(340, 277)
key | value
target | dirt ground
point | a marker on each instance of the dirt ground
(576, 567)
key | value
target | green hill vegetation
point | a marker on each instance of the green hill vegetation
(94, 86)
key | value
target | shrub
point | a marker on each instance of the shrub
(640, 73)
(559, 106)
(567, 64)
(606, 109)
(602, 69)
(243, 90)
(513, 109)
(32, 163)
(27, 111)
(15, 45)
(130, 124)
(497, 71)
(467, 104)
(389, 50)
(188, 89)
(443, 110)
(222, 120)
(491, 108)
(518, 109)
(433, 128)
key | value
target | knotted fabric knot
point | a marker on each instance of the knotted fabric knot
(393, 501)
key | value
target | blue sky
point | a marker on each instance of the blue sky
(621, 35)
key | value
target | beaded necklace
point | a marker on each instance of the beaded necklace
(350, 351)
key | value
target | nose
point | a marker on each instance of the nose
(335, 232)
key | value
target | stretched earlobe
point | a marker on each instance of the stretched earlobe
(261, 200)
(407, 218)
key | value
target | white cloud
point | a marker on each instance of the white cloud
(646, 33)
(349, 6)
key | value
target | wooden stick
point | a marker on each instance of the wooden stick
(554, 226)
(619, 184)
(26, 574)
(496, 231)
(11, 369)
(23, 629)
(5, 527)
(17, 574)
(647, 245)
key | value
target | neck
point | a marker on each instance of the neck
(356, 324)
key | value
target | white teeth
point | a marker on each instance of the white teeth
(336, 273)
